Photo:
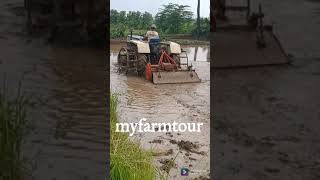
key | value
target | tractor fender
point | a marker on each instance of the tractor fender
(175, 48)
(142, 47)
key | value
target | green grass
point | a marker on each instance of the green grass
(127, 160)
(12, 128)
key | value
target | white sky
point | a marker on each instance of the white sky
(152, 6)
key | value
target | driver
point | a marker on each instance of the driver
(152, 33)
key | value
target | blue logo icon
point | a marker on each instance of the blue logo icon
(184, 171)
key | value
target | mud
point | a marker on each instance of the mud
(266, 121)
(156, 141)
(182, 103)
(68, 136)
(167, 165)
(187, 146)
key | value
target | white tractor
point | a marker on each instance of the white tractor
(160, 62)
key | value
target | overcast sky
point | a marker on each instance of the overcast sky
(152, 6)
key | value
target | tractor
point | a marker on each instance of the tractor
(161, 62)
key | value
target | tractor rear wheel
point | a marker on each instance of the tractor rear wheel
(123, 58)
(176, 59)
(142, 64)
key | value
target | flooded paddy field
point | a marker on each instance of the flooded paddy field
(165, 103)
(67, 138)
(266, 121)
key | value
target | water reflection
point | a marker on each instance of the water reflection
(198, 53)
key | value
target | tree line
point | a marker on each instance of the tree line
(171, 19)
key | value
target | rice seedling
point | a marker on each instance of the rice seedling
(12, 129)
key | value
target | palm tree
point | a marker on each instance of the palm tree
(198, 18)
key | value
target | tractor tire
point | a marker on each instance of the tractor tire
(176, 59)
(122, 58)
(142, 64)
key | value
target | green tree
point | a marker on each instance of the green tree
(146, 21)
(138, 19)
(122, 17)
(130, 19)
(172, 18)
(204, 28)
(114, 15)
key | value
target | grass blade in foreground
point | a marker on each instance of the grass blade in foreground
(127, 160)
(12, 128)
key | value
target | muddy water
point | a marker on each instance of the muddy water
(69, 113)
(266, 117)
(69, 117)
(165, 103)
(71, 135)
(66, 87)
